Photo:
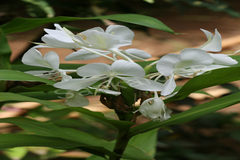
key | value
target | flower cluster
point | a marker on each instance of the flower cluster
(102, 78)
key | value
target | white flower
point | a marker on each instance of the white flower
(188, 63)
(155, 109)
(214, 44)
(129, 72)
(51, 60)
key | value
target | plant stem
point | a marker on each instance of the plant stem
(121, 143)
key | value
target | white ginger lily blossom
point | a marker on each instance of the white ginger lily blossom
(50, 60)
(155, 109)
(111, 39)
(214, 44)
(188, 63)
(129, 72)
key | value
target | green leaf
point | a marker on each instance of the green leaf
(12, 75)
(6, 97)
(190, 114)
(216, 77)
(19, 140)
(49, 130)
(16, 152)
(146, 141)
(25, 24)
(5, 53)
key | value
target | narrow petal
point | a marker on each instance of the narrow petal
(214, 43)
(223, 59)
(52, 59)
(137, 53)
(94, 69)
(84, 55)
(75, 99)
(166, 64)
(169, 86)
(52, 42)
(77, 84)
(126, 68)
(142, 83)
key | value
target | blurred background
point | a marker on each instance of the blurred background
(215, 136)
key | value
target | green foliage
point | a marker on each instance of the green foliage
(25, 24)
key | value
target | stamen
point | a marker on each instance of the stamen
(83, 36)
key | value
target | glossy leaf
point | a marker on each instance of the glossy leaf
(25, 24)
(190, 114)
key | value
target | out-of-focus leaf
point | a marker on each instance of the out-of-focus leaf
(190, 114)
(45, 129)
(11, 75)
(18, 140)
(25, 24)
(5, 53)
(16, 152)
(40, 8)
(12, 97)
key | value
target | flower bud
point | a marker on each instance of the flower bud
(155, 109)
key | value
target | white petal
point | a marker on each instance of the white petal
(121, 31)
(169, 86)
(94, 69)
(107, 91)
(126, 68)
(214, 43)
(52, 59)
(75, 99)
(84, 55)
(142, 83)
(101, 40)
(193, 56)
(34, 58)
(77, 84)
(138, 53)
(223, 59)
(166, 64)
(59, 35)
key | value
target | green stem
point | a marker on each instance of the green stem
(121, 143)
